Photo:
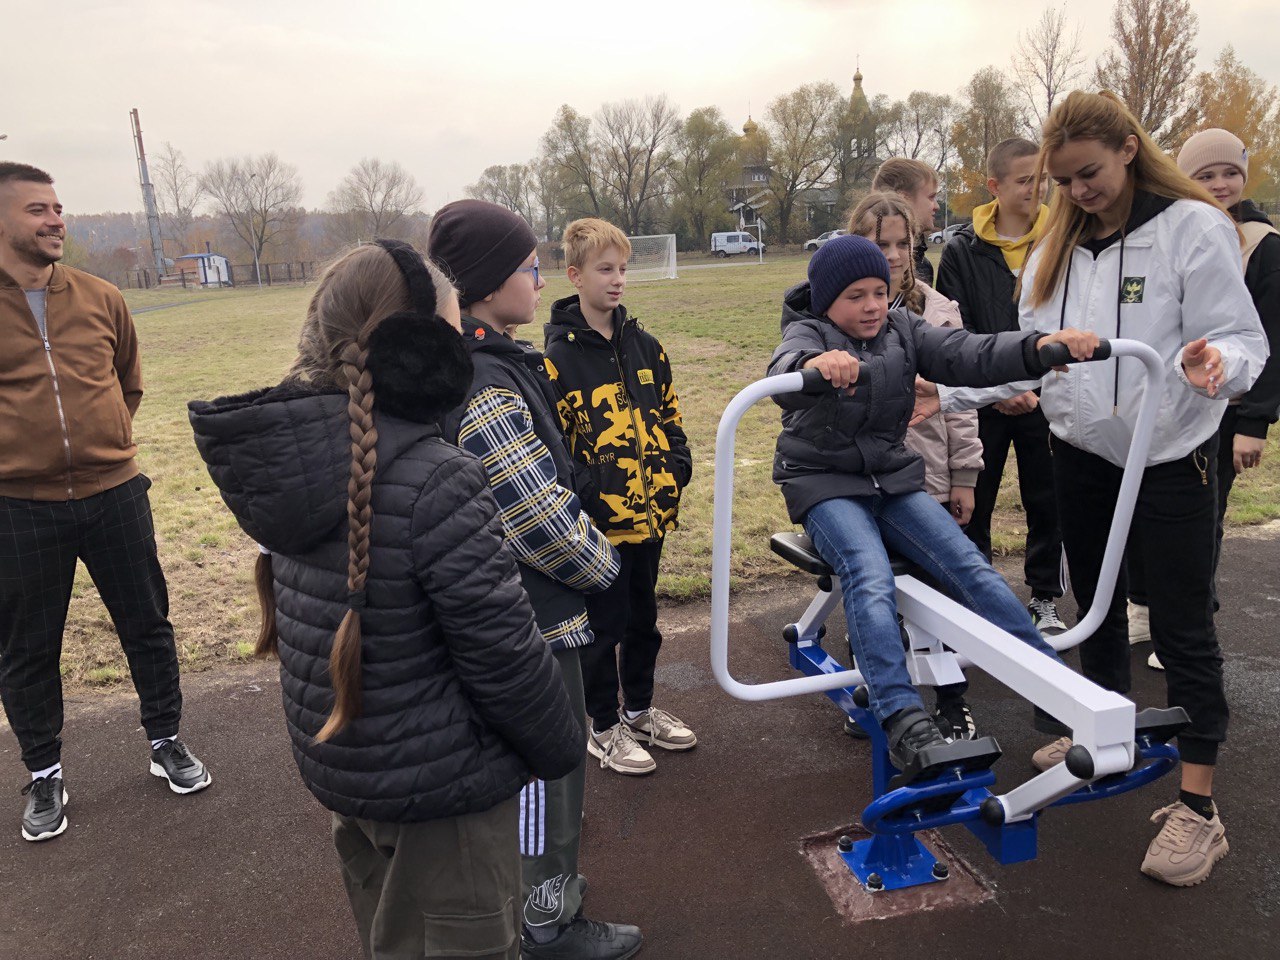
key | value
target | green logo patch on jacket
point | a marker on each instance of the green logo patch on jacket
(1131, 289)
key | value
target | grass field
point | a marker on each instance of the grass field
(719, 325)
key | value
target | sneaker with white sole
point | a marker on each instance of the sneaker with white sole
(658, 728)
(43, 818)
(1051, 755)
(1154, 662)
(1139, 623)
(1187, 846)
(617, 749)
(1044, 613)
(955, 720)
(172, 761)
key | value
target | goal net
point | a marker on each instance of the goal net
(652, 258)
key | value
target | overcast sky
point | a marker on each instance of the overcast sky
(447, 88)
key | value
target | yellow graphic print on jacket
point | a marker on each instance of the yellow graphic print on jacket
(621, 418)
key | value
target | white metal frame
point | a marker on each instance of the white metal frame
(1101, 721)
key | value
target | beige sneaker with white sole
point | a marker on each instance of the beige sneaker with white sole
(1187, 846)
(617, 749)
(1139, 623)
(658, 728)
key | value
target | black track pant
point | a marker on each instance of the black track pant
(1172, 538)
(1029, 434)
(40, 542)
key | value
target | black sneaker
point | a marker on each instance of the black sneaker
(43, 819)
(185, 773)
(585, 939)
(954, 720)
(1044, 613)
(910, 731)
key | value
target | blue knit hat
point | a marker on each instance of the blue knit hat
(840, 262)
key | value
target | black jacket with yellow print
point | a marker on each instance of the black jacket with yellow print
(621, 415)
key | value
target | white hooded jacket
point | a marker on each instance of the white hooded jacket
(1173, 279)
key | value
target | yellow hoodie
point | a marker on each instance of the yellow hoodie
(1015, 251)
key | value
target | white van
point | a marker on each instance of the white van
(727, 244)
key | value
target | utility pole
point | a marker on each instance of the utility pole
(148, 195)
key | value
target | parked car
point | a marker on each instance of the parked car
(944, 235)
(822, 238)
(727, 244)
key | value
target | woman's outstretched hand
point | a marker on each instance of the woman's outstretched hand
(1203, 366)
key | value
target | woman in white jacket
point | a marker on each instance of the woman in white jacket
(1134, 248)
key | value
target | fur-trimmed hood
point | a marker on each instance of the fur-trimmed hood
(281, 456)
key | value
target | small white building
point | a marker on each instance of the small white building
(212, 269)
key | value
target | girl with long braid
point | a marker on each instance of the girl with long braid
(418, 693)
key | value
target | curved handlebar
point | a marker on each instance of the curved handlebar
(1057, 354)
(814, 384)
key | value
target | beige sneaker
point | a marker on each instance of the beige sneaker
(1186, 848)
(660, 729)
(1139, 623)
(1051, 755)
(616, 749)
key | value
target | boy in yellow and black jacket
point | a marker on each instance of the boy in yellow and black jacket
(621, 417)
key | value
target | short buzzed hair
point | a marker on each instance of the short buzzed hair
(589, 236)
(23, 172)
(1005, 152)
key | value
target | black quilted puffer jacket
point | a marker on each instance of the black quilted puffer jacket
(461, 697)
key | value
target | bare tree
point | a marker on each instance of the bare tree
(920, 127)
(258, 196)
(178, 192)
(1152, 62)
(375, 197)
(510, 185)
(1047, 61)
(570, 145)
(633, 138)
(801, 130)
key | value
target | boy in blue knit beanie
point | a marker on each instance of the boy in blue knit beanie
(849, 478)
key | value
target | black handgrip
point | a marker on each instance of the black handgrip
(1056, 354)
(815, 384)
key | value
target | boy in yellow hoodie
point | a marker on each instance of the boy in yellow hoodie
(979, 271)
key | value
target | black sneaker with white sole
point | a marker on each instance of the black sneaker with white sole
(43, 818)
(955, 720)
(175, 763)
(1044, 612)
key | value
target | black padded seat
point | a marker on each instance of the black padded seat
(798, 550)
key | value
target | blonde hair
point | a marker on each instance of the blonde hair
(355, 294)
(866, 220)
(590, 236)
(903, 175)
(1102, 117)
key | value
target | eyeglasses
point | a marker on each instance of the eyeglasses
(533, 270)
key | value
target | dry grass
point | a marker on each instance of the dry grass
(719, 326)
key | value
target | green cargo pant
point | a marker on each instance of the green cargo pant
(551, 827)
(442, 889)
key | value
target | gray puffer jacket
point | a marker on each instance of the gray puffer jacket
(836, 445)
(461, 697)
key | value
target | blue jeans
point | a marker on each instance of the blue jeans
(851, 534)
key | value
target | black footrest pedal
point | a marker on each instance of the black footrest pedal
(966, 756)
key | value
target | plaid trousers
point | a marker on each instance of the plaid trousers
(40, 542)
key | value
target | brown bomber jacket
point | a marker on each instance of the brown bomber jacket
(66, 411)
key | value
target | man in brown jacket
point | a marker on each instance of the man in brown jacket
(70, 489)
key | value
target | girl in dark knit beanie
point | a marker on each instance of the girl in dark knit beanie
(847, 475)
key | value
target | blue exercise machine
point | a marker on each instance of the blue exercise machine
(1115, 749)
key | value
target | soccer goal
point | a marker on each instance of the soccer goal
(652, 258)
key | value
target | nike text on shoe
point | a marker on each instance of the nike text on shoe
(617, 749)
(1186, 848)
(658, 728)
(175, 763)
(1044, 612)
(43, 818)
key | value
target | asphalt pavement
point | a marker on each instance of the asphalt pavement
(713, 855)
